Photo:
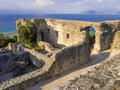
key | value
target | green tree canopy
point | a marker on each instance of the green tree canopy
(27, 34)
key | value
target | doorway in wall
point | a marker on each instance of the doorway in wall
(42, 36)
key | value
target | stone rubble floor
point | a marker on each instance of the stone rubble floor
(52, 84)
(12, 65)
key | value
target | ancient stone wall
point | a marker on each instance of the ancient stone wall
(103, 76)
(62, 33)
(116, 44)
(69, 58)
(35, 57)
(59, 62)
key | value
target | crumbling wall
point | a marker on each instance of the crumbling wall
(109, 28)
(61, 33)
(104, 76)
(116, 44)
(77, 52)
(106, 36)
(12, 65)
(59, 62)
(69, 58)
(46, 46)
(35, 57)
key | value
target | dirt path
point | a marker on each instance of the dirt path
(62, 79)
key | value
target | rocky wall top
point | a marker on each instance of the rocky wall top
(61, 33)
(105, 76)
(116, 44)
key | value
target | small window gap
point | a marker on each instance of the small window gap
(56, 33)
(67, 35)
(48, 30)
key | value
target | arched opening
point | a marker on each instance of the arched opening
(92, 36)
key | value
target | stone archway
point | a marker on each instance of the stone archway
(95, 40)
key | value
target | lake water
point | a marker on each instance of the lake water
(7, 22)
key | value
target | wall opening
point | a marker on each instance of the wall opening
(56, 33)
(67, 35)
(48, 30)
(92, 36)
(42, 36)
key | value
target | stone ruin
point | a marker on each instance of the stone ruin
(67, 45)
(104, 76)
(13, 65)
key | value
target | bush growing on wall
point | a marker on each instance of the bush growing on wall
(27, 34)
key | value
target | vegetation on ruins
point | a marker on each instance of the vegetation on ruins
(4, 41)
(92, 40)
(40, 49)
(27, 34)
(15, 38)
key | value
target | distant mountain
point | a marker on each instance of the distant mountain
(92, 12)
(89, 12)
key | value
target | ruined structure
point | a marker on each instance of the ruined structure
(60, 33)
(66, 46)
(116, 45)
(104, 76)
(12, 65)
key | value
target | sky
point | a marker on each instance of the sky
(60, 6)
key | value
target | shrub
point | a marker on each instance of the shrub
(2, 36)
(15, 38)
(5, 42)
(92, 40)
(27, 34)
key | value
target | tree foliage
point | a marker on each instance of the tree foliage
(15, 38)
(27, 34)
(4, 42)
(92, 40)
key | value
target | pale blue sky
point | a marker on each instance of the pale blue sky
(60, 6)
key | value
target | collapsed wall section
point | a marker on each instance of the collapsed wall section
(116, 44)
(103, 76)
(69, 58)
(34, 56)
(61, 33)
(60, 62)
(104, 35)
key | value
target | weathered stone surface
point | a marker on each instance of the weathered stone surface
(60, 33)
(116, 44)
(9, 63)
(71, 43)
(60, 61)
(103, 77)
(46, 46)
(69, 58)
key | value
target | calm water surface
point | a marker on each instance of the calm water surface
(7, 22)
